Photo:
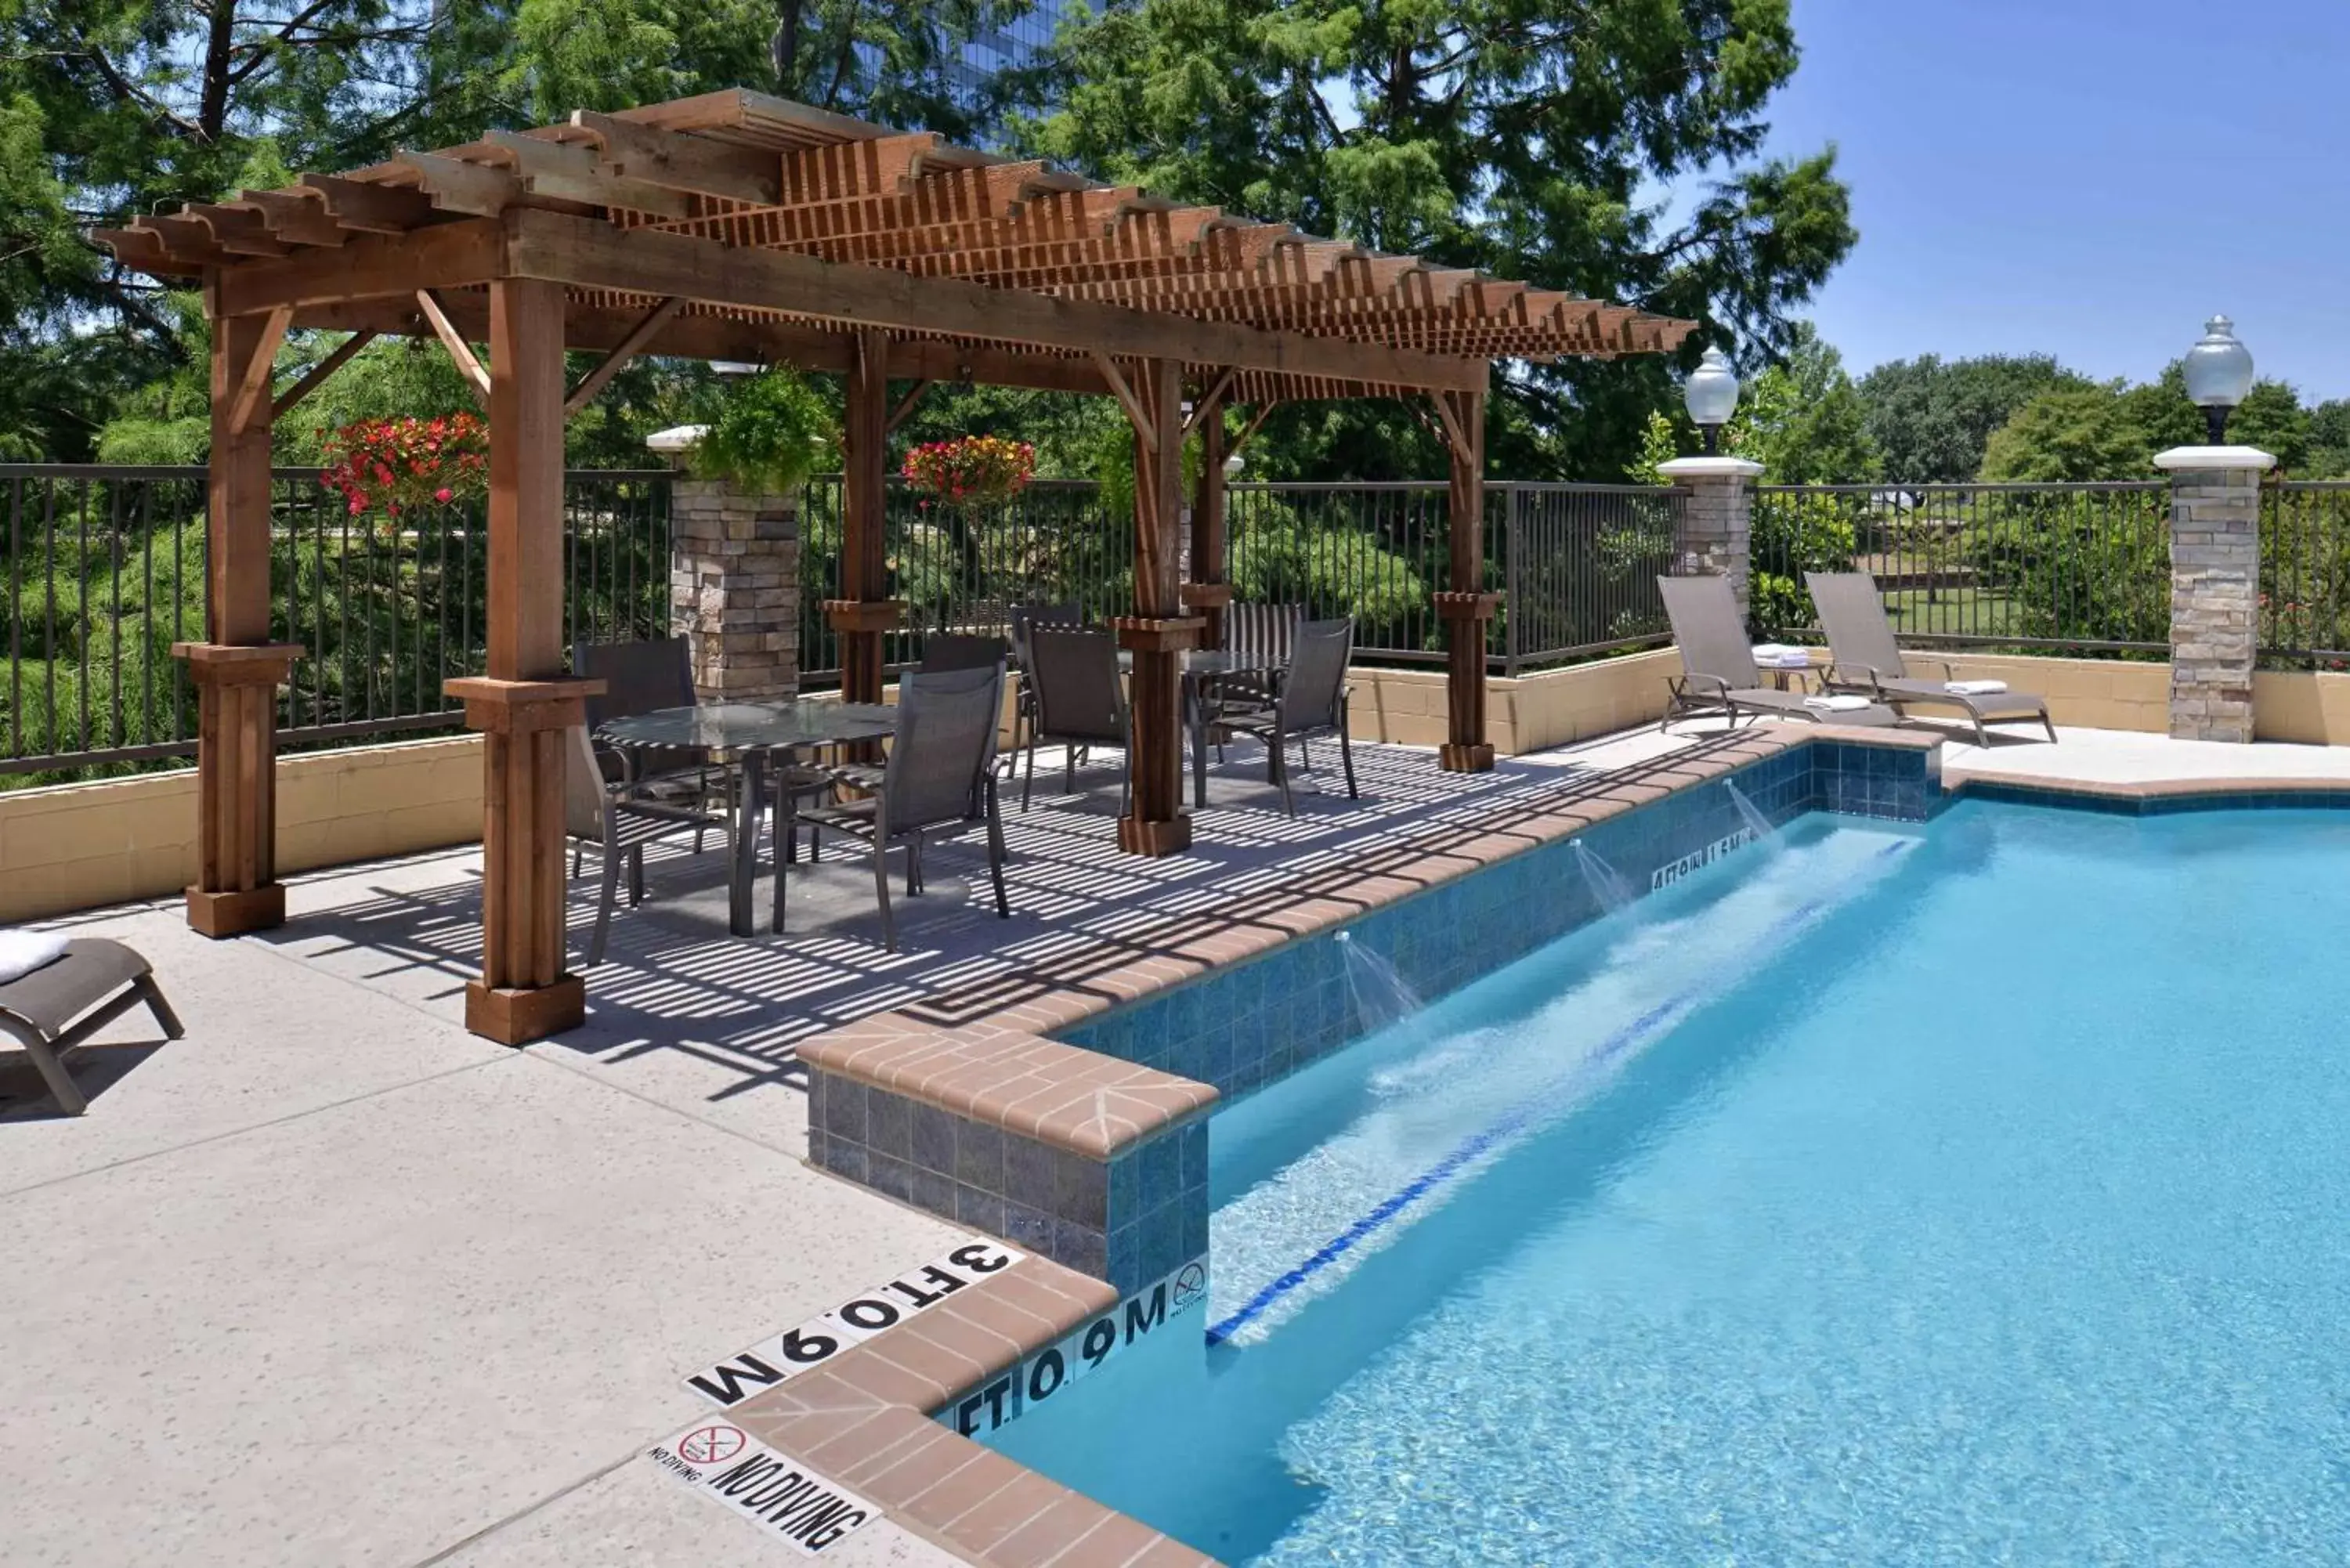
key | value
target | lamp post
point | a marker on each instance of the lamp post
(1232, 466)
(2219, 374)
(1711, 397)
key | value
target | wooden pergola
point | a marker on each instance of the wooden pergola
(737, 226)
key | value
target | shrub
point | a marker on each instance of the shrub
(774, 430)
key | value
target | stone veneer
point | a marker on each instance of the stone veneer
(1715, 535)
(2215, 588)
(735, 590)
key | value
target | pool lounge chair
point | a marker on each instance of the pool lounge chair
(1865, 659)
(1718, 674)
(54, 1004)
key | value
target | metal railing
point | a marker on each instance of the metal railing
(1576, 563)
(104, 569)
(2068, 568)
(2305, 603)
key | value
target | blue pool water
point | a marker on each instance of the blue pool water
(1973, 1195)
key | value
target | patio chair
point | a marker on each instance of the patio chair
(55, 1004)
(940, 773)
(945, 650)
(1081, 702)
(1023, 697)
(1718, 674)
(1864, 658)
(643, 677)
(618, 819)
(1311, 701)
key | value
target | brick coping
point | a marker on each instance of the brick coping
(2220, 791)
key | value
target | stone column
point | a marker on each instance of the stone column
(734, 588)
(2215, 588)
(1717, 524)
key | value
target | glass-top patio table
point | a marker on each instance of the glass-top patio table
(741, 734)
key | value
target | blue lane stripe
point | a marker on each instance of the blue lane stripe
(1443, 1170)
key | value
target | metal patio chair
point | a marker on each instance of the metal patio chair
(1024, 618)
(644, 677)
(617, 819)
(1718, 674)
(55, 1007)
(940, 773)
(1311, 701)
(1080, 703)
(1864, 658)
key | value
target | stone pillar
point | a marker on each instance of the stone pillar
(2215, 588)
(735, 590)
(1717, 523)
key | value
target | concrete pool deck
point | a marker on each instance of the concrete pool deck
(331, 1281)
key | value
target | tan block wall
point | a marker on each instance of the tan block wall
(2305, 706)
(1522, 715)
(78, 846)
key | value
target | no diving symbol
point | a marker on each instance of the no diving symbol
(1189, 1284)
(710, 1446)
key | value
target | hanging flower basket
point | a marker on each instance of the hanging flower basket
(971, 471)
(394, 466)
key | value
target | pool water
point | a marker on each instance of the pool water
(1973, 1195)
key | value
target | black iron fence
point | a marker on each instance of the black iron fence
(2306, 575)
(104, 569)
(1576, 563)
(2058, 568)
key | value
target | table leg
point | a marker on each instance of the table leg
(743, 877)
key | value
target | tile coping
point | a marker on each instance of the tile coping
(2217, 788)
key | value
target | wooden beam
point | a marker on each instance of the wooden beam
(293, 217)
(592, 255)
(1250, 429)
(236, 230)
(576, 174)
(1209, 400)
(705, 336)
(316, 375)
(1145, 428)
(864, 551)
(459, 349)
(906, 406)
(456, 186)
(525, 620)
(446, 255)
(252, 392)
(359, 204)
(628, 349)
(684, 163)
(1455, 438)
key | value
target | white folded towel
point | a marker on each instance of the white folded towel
(1779, 656)
(22, 952)
(1842, 702)
(1974, 688)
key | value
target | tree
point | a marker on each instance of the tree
(1523, 136)
(2070, 434)
(2329, 440)
(1803, 420)
(1930, 419)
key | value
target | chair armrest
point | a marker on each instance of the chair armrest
(1709, 685)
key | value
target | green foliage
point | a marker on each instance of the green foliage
(1792, 534)
(1930, 418)
(2329, 440)
(2084, 568)
(2095, 430)
(771, 432)
(1803, 418)
(1521, 137)
(1333, 563)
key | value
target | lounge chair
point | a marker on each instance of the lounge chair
(942, 773)
(56, 1004)
(1718, 674)
(1863, 658)
(1313, 702)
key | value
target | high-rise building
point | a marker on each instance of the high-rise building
(1017, 42)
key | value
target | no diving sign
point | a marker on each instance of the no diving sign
(783, 1499)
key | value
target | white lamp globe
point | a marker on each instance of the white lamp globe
(1712, 394)
(2219, 367)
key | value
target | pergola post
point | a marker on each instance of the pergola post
(1208, 593)
(237, 670)
(525, 704)
(1157, 632)
(864, 611)
(1466, 607)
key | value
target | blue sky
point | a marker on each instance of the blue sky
(2085, 178)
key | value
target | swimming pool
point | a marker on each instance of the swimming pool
(1874, 1195)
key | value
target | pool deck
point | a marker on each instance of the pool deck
(331, 1281)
